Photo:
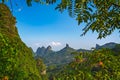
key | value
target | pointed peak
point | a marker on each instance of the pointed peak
(67, 45)
(38, 48)
(49, 47)
(43, 47)
(97, 46)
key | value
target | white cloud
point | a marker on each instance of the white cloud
(37, 44)
(55, 43)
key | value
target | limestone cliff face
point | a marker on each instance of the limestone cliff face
(16, 59)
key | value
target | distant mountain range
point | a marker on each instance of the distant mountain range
(44, 51)
(64, 56)
(57, 57)
(52, 57)
(107, 45)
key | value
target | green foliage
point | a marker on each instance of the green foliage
(16, 59)
(116, 49)
(101, 16)
(98, 65)
(41, 68)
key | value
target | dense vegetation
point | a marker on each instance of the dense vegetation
(16, 59)
(101, 64)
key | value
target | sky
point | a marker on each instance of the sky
(42, 25)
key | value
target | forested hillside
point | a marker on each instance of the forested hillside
(16, 59)
(101, 64)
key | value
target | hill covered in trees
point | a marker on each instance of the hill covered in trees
(102, 63)
(99, 64)
(16, 59)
